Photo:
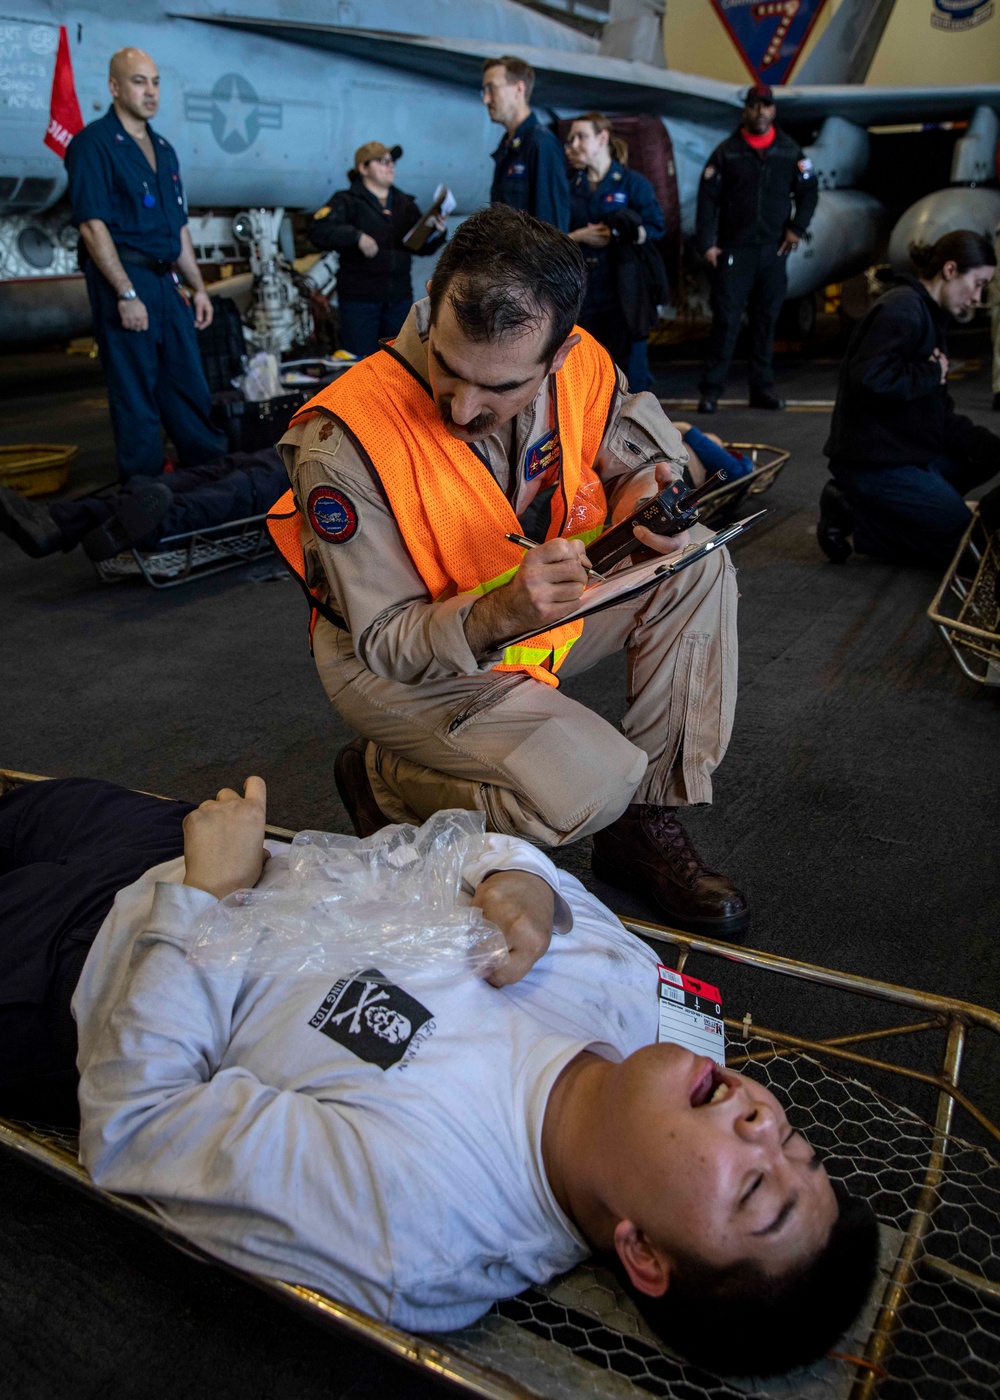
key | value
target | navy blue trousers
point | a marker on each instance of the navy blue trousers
(364, 323)
(67, 846)
(153, 376)
(233, 487)
(910, 515)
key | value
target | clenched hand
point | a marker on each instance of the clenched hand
(523, 907)
(224, 840)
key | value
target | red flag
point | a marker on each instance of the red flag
(64, 110)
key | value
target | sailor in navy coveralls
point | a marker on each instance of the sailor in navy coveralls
(530, 171)
(128, 203)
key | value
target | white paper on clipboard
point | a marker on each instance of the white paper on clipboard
(630, 583)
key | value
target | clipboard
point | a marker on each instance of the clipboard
(627, 584)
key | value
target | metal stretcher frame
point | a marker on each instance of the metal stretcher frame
(767, 463)
(924, 1012)
(965, 609)
(179, 559)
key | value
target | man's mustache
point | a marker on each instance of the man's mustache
(480, 425)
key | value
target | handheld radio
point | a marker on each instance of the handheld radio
(672, 511)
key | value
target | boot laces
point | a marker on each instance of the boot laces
(662, 825)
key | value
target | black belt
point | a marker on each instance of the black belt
(159, 266)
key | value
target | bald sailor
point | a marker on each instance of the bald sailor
(146, 292)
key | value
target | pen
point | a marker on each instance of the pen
(533, 544)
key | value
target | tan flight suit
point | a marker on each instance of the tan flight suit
(445, 730)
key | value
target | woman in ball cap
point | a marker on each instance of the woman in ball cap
(366, 225)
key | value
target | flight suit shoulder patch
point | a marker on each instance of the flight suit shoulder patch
(322, 213)
(332, 515)
(709, 172)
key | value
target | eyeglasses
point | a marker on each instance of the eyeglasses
(382, 160)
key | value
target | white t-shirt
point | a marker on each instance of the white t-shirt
(381, 1144)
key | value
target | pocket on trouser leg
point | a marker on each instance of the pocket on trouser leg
(568, 779)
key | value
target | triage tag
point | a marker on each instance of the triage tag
(691, 1014)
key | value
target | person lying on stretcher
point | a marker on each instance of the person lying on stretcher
(418, 1153)
(147, 509)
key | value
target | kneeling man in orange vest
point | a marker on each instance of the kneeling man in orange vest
(493, 414)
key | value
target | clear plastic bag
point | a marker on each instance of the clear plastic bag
(391, 902)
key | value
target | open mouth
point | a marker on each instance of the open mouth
(710, 1087)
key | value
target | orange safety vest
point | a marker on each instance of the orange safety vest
(448, 507)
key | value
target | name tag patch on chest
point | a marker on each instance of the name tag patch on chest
(370, 1017)
(543, 454)
(616, 197)
(331, 514)
(517, 169)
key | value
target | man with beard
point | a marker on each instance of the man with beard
(493, 414)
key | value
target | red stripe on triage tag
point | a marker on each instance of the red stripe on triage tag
(693, 985)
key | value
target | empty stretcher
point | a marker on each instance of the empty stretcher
(910, 1140)
(966, 607)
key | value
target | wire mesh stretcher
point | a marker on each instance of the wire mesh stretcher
(966, 608)
(931, 1329)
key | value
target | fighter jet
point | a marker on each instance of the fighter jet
(266, 105)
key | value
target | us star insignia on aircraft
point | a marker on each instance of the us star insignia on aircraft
(234, 111)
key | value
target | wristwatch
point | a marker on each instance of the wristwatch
(130, 294)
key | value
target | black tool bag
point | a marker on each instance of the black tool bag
(251, 426)
(222, 345)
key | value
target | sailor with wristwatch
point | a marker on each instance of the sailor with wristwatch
(129, 205)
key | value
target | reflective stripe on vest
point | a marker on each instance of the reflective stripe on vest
(448, 507)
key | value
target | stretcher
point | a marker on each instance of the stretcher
(889, 1130)
(966, 607)
(719, 507)
(182, 558)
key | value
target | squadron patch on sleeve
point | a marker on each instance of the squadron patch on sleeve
(709, 172)
(805, 167)
(331, 514)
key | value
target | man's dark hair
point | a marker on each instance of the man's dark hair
(742, 1321)
(963, 247)
(517, 72)
(506, 273)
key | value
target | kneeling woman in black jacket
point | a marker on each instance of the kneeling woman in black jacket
(366, 225)
(902, 459)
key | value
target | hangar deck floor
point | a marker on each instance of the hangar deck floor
(857, 805)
